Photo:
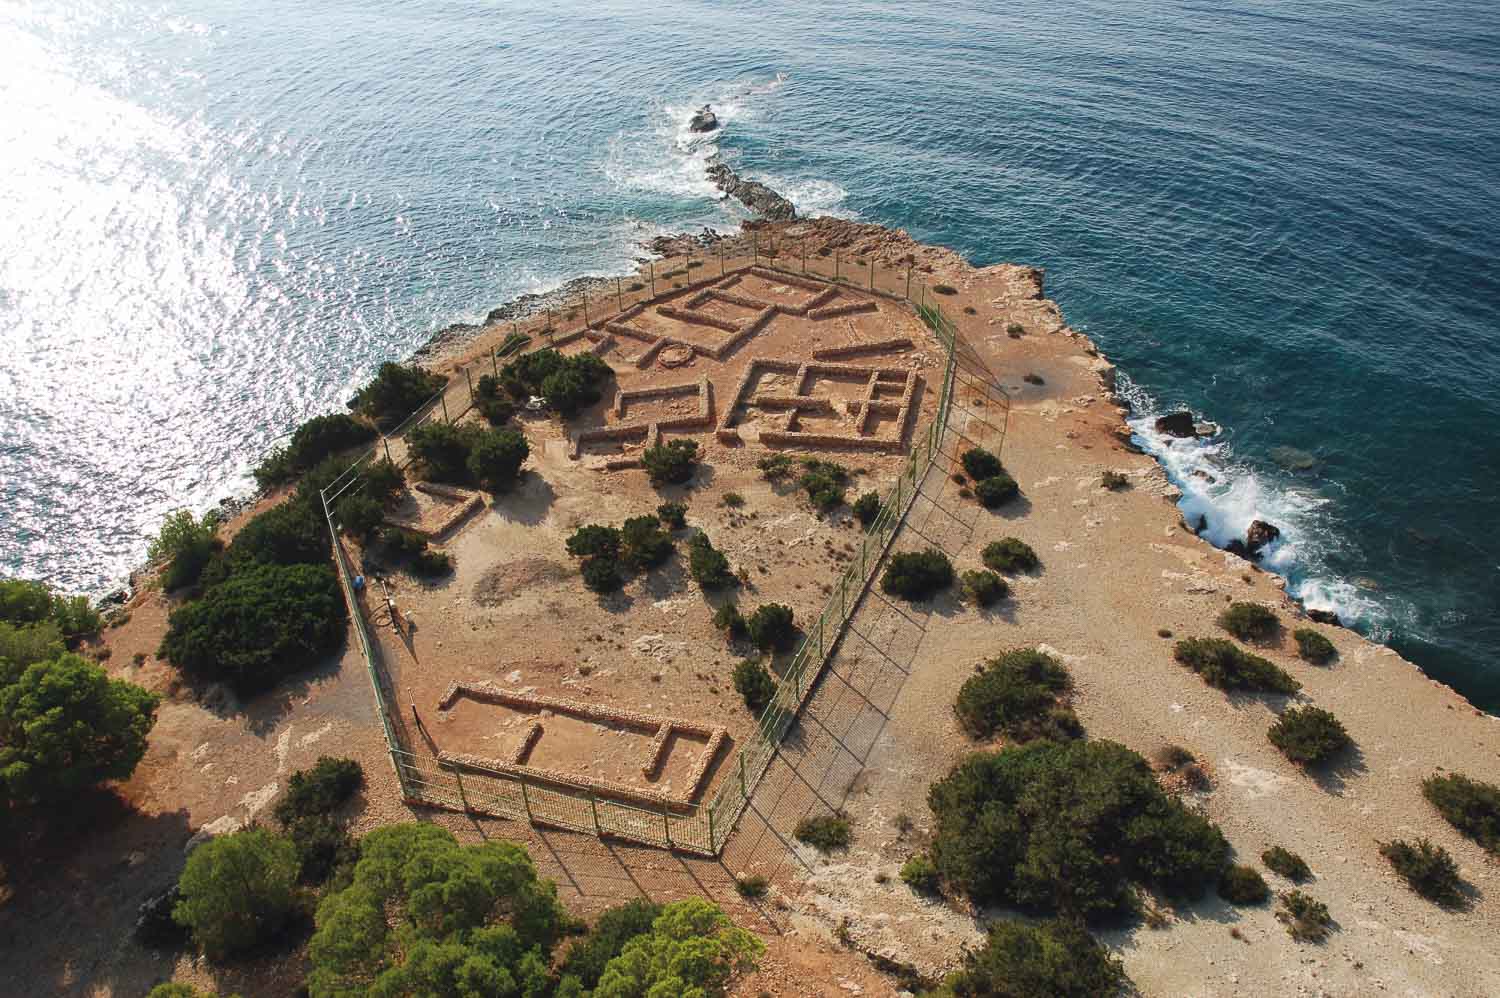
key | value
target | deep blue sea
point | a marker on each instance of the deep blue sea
(217, 217)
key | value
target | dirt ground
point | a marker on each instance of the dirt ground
(1118, 566)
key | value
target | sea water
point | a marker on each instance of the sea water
(218, 218)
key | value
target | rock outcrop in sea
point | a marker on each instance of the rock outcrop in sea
(752, 194)
(704, 121)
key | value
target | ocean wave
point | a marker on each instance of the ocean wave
(1228, 493)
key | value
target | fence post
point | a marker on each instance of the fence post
(908, 282)
(743, 792)
(494, 363)
(721, 258)
(755, 244)
(469, 378)
(666, 826)
(586, 322)
(619, 295)
(651, 266)
(387, 441)
(835, 265)
(444, 399)
(872, 273)
(526, 802)
(594, 806)
(713, 846)
(458, 778)
(804, 256)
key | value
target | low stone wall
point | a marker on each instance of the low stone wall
(528, 742)
(849, 308)
(856, 349)
(830, 441)
(468, 503)
(630, 332)
(624, 396)
(697, 318)
(790, 280)
(805, 402)
(605, 433)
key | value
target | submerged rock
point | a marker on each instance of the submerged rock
(1177, 424)
(704, 121)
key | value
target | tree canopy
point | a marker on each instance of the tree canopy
(692, 951)
(237, 890)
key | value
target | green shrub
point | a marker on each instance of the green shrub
(431, 564)
(1049, 959)
(751, 886)
(443, 449)
(643, 544)
(673, 515)
(945, 289)
(1010, 555)
(919, 873)
(65, 726)
(824, 832)
(172, 989)
(996, 490)
(1248, 621)
(917, 575)
(315, 440)
(491, 401)
(693, 949)
(187, 544)
(1015, 330)
(587, 958)
(24, 644)
(1306, 918)
(1017, 694)
(323, 845)
(1067, 826)
(775, 466)
(1468, 805)
(980, 464)
(824, 482)
(595, 540)
(733, 500)
(359, 515)
(754, 683)
(671, 463)
(424, 915)
(1313, 646)
(24, 602)
(1226, 665)
(382, 480)
(397, 391)
(1427, 869)
(495, 458)
(867, 508)
(319, 790)
(1308, 735)
(600, 573)
(259, 625)
(567, 383)
(707, 565)
(728, 619)
(1113, 480)
(984, 587)
(1243, 885)
(771, 627)
(289, 533)
(1286, 863)
(237, 890)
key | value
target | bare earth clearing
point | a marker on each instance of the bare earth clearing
(1117, 566)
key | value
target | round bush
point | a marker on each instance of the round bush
(1308, 735)
(996, 490)
(1243, 885)
(980, 464)
(1468, 805)
(917, 575)
(601, 573)
(1248, 621)
(1017, 693)
(771, 627)
(919, 874)
(643, 544)
(985, 587)
(237, 890)
(1313, 646)
(1010, 554)
(1226, 665)
(262, 623)
(867, 508)
(496, 457)
(671, 463)
(754, 683)
(1427, 869)
(824, 832)
(1051, 959)
(1286, 863)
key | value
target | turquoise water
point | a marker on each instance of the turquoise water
(220, 218)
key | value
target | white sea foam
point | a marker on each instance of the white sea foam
(1229, 494)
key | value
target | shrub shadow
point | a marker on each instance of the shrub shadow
(528, 502)
(1333, 775)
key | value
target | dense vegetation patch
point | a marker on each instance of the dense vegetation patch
(1248, 621)
(1427, 869)
(673, 515)
(671, 463)
(187, 544)
(237, 891)
(1308, 735)
(824, 482)
(1055, 958)
(65, 726)
(984, 587)
(1468, 805)
(754, 683)
(917, 575)
(1287, 863)
(770, 627)
(1243, 885)
(24, 603)
(728, 619)
(397, 391)
(315, 440)
(586, 959)
(920, 873)
(264, 622)
(469, 454)
(306, 813)
(1011, 555)
(1018, 694)
(824, 832)
(980, 464)
(1313, 646)
(1068, 827)
(996, 490)
(774, 467)
(1226, 665)
(492, 401)
(567, 383)
(867, 508)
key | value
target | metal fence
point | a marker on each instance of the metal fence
(426, 781)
